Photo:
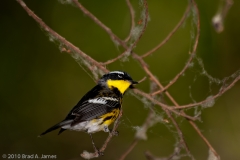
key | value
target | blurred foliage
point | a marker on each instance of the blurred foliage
(39, 84)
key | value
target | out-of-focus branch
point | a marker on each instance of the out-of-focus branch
(104, 27)
(164, 106)
(62, 40)
(171, 33)
(192, 53)
(218, 19)
(131, 10)
(174, 155)
(128, 50)
(96, 20)
(209, 99)
(141, 133)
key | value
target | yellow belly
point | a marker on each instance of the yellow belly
(103, 122)
(113, 114)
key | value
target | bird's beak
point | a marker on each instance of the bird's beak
(133, 83)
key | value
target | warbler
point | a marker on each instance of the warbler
(99, 107)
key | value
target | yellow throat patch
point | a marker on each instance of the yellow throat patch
(121, 85)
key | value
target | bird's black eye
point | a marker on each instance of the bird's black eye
(119, 76)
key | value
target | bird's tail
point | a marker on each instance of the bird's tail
(63, 123)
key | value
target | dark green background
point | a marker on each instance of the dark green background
(39, 84)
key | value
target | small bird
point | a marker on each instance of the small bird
(99, 107)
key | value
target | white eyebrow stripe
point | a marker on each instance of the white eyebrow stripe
(119, 72)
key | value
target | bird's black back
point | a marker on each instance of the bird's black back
(97, 91)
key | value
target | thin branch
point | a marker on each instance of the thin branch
(218, 19)
(223, 90)
(113, 130)
(141, 133)
(153, 78)
(192, 53)
(164, 106)
(176, 77)
(143, 79)
(204, 139)
(129, 49)
(146, 14)
(131, 10)
(150, 156)
(129, 149)
(104, 27)
(96, 20)
(171, 33)
(62, 40)
(176, 152)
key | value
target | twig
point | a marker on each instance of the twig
(171, 33)
(192, 54)
(69, 45)
(152, 77)
(220, 16)
(176, 77)
(204, 139)
(223, 90)
(129, 49)
(104, 146)
(176, 152)
(103, 26)
(130, 148)
(144, 26)
(96, 20)
(142, 131)
(143, 79)
(131, 10)
(164, 106)
(150, 156)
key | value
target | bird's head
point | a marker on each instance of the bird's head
(117, 80)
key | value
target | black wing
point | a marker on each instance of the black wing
(89, 95)
(93, 108)
(86, 110)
